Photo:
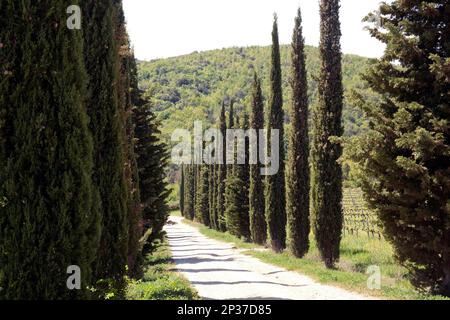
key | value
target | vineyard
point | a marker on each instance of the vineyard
(358, 218)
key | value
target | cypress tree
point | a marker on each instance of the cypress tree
(182, 191)
(235, 201)
(230, 125)
(48, 220)
(129, 94)
(222, 174)
(202, 202)
(243, 173)
(275, 205)
(189, 193)
(298, 166)
(152, 160)
(233, 187)
(212, 197)
(103, 66)
(258, 227)
(404, 158)
(327, 172)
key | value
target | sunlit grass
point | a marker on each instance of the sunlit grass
(357, 255)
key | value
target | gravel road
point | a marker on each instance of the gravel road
(220, 272)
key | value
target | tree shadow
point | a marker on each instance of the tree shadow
(213, 283)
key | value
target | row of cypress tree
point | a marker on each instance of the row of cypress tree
(275, 210)
(401, 161)
(82, 168)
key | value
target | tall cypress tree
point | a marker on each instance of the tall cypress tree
(298, 165)
(189, 193)
(102, 63)
(212, 197)
(202, 202)
(47, 218)
(243, 173)
(233, 187)
(197, 195)
(404, 158)
(275, 205)
(129, 94)
(182, 190)
(258, 227)
(222, 174)
(230, 125)
(152, 160)
(327, 172)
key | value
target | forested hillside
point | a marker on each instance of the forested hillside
(187, 88)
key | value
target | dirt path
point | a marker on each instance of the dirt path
(218, 271)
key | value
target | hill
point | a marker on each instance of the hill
(192, 87)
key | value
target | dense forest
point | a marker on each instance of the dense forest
(193, 86)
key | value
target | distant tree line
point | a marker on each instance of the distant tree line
(82, 169)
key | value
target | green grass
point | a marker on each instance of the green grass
(160, 281)
(357, 254)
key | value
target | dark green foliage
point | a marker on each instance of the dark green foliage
(198, 214)
(258, 227)
(48, 217)
(202, 213)
(152, 160)
(275, 205)
(189, 207)
(221, 175)
(327, 172)
(182, 190)
(404, 159)
(236, 202)
(243, 173)
(129, 95)
(230, 125)
(102, 64)
(212, 197)
(298, 166)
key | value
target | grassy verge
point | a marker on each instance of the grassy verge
(160, 281)
(357, 255)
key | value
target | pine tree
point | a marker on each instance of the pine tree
(404, 158)
(222, 174)
(152, 160)
(327, 172)
(48, 217)
(103, 66)
(275, 205)
(258, 227)
(182, 190)
(298, 165)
